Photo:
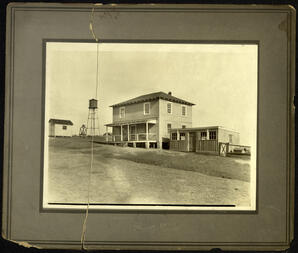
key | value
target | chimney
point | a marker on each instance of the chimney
(170, 93)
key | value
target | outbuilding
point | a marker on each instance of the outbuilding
(60, 128)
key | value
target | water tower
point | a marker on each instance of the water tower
(92, 122)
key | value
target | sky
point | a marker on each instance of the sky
(220, 79)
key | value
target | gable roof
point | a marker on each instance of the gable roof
(61, 122)
(153, 96)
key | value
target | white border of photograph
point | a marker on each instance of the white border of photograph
(159, 47)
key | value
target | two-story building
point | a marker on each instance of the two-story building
(146, 121)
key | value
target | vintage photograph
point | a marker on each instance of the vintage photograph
(150, 125)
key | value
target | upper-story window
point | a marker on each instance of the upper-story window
(64, 127)
(183, 126)
(212, 135)
(183, 110)
(169, 107)
(122, 112)
(146, 108)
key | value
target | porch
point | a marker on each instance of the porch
(137, 133)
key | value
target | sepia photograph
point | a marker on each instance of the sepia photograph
(150, 125)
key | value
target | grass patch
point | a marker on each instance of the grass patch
(223, 167)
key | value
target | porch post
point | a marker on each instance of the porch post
(187, 137)
(178, 136)
(136, 132)
(107, 135)
(121, 133)
(147, 135)
(128, 138)
(147, 130)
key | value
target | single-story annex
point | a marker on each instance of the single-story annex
(209, 140)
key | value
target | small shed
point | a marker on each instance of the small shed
(60, 128)
(202, 139)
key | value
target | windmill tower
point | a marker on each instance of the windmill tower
(83, 131)
(92, 122)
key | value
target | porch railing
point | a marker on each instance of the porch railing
(133, 137)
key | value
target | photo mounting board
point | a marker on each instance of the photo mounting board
(24, 219)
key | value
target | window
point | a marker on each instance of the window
(146, 108)
(169, 127)
(183, 126)
(203, 135)
(212, 135)
(230, 138)
(122, 112)
(169, 107)
(183, 110)
(64, 127)
(174, 136)
(182, 136)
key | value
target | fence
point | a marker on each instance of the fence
(227, 149)
(178, 145)
(207, 146)
(239, 149)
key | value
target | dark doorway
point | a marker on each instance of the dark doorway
(165, 145)
(192, 141)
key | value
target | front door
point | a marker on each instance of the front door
(192, 141)
(125, 132)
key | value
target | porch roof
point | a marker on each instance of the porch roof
(131, 122)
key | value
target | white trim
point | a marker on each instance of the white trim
(144, 104)
(123, 107)
(185, 110)
(171, 107)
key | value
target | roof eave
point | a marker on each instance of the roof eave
(183, 103)
(130, 103)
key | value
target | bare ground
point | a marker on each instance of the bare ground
(126, 175)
